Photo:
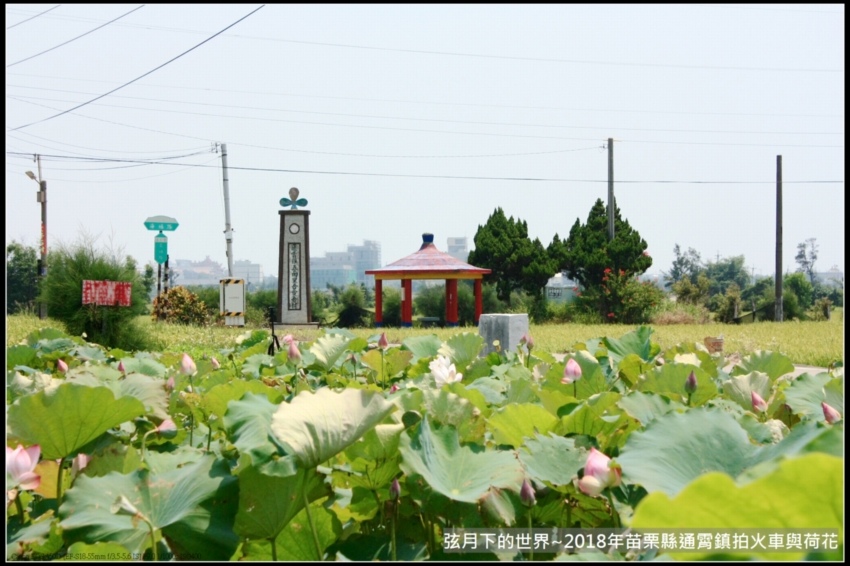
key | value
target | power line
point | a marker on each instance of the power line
(32, 18)
(139, 77)
(538, 179)
(74, 39)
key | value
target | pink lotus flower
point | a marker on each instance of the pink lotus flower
(166, 426)
(394, 388)
(383, 343)
(759, 404)
(294, 352)
(287, 339)
(121, 367)
(20, 469)
(187, 365)
(830, 414)
(599, 474)
(79, 462)
(527, 340)
(61, 366)
(215, 363)
(395, 489)
(572, 372)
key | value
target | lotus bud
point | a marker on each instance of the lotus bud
(394, 388)
(395, 490)
(61, 366)
(599, 474)
(383, 343)
(121, 367)
(167, 426)
(572, 372)
(187, 365)
(527, 340)
(169, 385)
(691, 383)
(759, 404)
(526, 494)
(830, 414)
(215, 363)
(294, 352)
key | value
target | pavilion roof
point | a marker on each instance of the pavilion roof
(427, 262)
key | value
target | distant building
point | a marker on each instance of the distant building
(188, 272)
(457, 248)
(251, 273)
(834, 277)
(561, 289)
(344, 268)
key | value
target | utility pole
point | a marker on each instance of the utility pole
(41, 196)
(610, 188)
(228, 231)
(778, 304)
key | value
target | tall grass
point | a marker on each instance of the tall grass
(806, 343)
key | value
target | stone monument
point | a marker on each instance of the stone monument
(294, 306)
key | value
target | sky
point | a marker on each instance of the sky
(396, 120)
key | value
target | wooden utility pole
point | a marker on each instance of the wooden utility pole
(610, 188)
(778, 304)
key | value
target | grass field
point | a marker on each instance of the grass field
(805, 343)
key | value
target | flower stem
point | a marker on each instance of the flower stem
(209, 437)
(274, 548)
(20, 507)
(312, 527)
(530, 537)
(392, 531)
(614, 515)
(153, 542)
(689, 399)
(60, 480)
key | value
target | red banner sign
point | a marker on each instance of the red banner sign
(109, 293)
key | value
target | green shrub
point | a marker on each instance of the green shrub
(391, 298)
(674, 312)
(180, 306)
(62, 290)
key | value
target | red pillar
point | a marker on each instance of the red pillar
(479, 305)
(379, 302)
(451, 302)
(407, 302)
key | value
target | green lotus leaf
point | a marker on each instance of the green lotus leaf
(193, 506)
(553, 459)
(68, 418)
(512, 424)
(268, 503)
(647, 406)
(631, 367)
(423, 346)
(500, 505)
(773, 364)
(676, 448)
(740, 387)
(317, 426)
(86, 353)
(591, 417)
(447, 408)
(328, 349)
(47, 333)
(296, 542)
(669, 380)
(249, 425)
(393, 362)
(804, 492)
(462, 349)
(144, 365)
(254, 364)
(635, 342)
(148, 390)
(215, 400)
(807, 392)
(20, 356)
(461, 473)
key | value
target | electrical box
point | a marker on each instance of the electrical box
(232, 301)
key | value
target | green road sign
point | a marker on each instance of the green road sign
(161, 223)
(160, 248)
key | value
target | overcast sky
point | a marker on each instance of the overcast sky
(394, 120)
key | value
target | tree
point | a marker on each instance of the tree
(807, 255)
(503, 246)
(21, 277)
(685, 265)
(588, 256)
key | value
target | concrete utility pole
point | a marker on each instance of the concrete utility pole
(778, 304)
(610, 188)
(228, 231)
(41, 196)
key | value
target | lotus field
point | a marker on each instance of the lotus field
(350, 448)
